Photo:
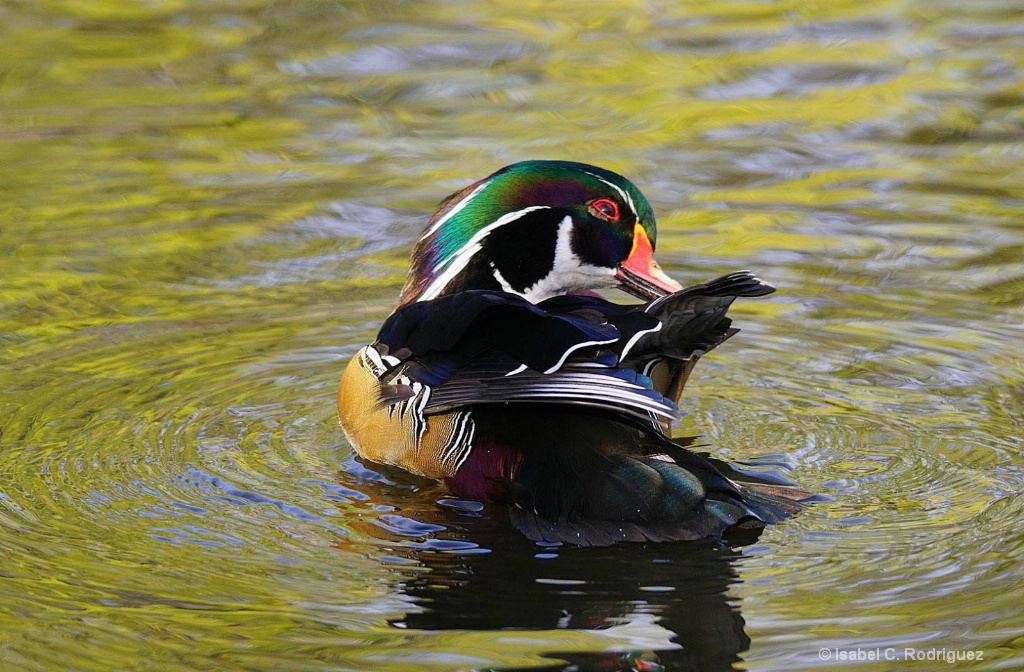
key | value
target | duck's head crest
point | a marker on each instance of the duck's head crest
(539, 229)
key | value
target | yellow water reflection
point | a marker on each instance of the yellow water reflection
(208, 207)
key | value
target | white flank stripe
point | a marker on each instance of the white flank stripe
(372, 361)
(418, 421)
(456, 208)
(461, 443)
(458, 261)
(519, 369)
(424, 397)
(405, 404)
(460, 429)
(636, 337)
(468, 449)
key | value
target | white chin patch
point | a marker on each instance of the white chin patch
(569, 273)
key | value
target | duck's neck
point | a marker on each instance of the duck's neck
(532, 257)
(512, 257)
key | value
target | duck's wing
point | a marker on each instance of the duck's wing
(693, 323)
(483, 347)
(610, 390)
(693, 319)
(486, 347)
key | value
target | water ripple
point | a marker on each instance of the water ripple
(209, 208)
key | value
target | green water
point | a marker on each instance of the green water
(206, 207)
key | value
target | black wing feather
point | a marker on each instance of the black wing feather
(471, 323)
(693, 319)
(465, 345)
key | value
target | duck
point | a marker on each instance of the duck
(504, 374)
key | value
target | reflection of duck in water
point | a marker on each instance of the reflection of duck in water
(502, 374)
(661, 604)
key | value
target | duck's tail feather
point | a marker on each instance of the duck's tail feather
(773, 503)
(591, 480)
(648, 498)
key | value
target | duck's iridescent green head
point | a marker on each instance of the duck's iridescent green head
(540, 229)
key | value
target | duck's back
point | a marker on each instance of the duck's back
(552, 410)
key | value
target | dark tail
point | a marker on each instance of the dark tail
(592, 480)
(774, 503)
(649, 499)
(666, 494)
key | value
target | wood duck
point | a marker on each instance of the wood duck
(505, 375)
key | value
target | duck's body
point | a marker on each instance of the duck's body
(503, 375)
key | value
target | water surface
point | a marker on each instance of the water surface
(208, 207)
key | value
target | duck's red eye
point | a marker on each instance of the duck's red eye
(606, 209)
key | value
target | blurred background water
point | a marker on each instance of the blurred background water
(207, 208)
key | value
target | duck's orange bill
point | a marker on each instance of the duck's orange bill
(640, 274)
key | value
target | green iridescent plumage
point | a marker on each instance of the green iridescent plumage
(503, 372)
(470, 213)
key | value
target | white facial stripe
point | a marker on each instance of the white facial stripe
(457, 262)
(625, 194)
(456, 208)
